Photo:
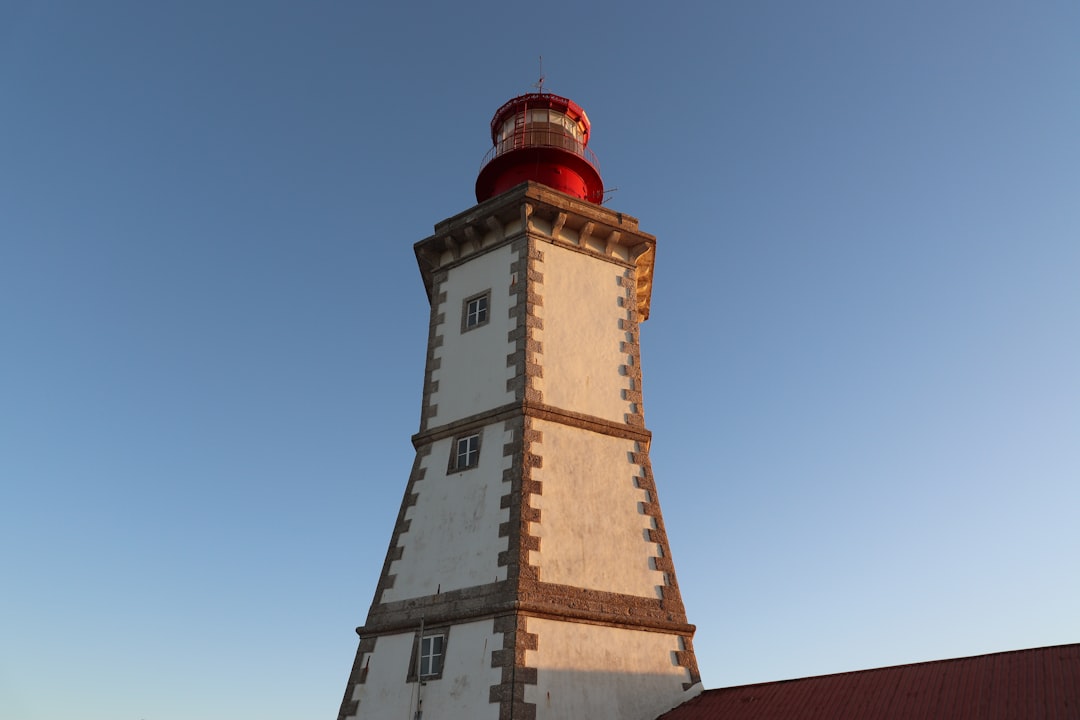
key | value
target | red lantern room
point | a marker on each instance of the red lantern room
(543, 138)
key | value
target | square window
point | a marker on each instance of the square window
(466, 452)
(431, 655)
(475, 311)
(428, 654)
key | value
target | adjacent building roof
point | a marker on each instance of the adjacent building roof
(1040, 683)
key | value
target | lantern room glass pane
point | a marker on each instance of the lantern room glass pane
(541, 127)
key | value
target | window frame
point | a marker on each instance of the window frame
(417, 654)
(435, 661)
(455, 464)
(484, 296)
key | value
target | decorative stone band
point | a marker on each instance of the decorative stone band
(532, 410)
(547, 600)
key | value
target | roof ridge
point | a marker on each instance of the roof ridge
(901, 665)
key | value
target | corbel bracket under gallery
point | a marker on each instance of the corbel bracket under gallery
(546, 214)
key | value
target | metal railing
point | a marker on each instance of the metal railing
(530, 138)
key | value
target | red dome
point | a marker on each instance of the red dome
(543, 138)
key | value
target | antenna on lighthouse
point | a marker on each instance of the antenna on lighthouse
(539, 84)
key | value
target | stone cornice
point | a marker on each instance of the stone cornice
(546, 214)
(528, 408)
(537, 599)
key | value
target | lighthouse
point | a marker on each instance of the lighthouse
(528, 575)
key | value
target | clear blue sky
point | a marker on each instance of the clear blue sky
(862, 368)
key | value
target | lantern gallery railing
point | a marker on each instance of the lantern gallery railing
(534, 136)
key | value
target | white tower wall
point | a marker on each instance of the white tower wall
(453, 539)
(593, 671)
(472, 370)
(583, 352)
(385, 694)
(593, 532)
(545, 563)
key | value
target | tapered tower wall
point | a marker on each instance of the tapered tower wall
(584, 347)
(596, 671)
(460, 691)
(593, 530)
(543, 560)
(452, 539)
(467, 367)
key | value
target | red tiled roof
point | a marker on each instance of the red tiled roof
(1038, 684)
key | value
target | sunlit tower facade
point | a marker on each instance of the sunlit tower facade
(529, 573)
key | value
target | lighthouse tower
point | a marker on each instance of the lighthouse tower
(529, 574)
